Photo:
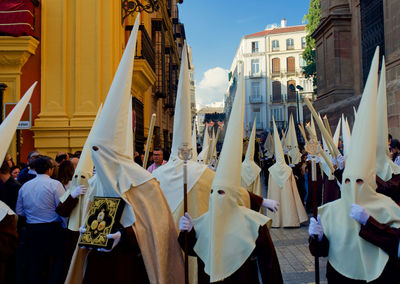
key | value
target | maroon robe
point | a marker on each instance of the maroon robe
(331, 190)
(390, 188)
(263, 258)
(124, 264)
(8, 246)
(383, 236)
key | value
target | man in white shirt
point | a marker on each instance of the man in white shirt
(37, 202)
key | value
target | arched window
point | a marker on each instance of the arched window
(276, 65)
(290, 64)
(276, 91)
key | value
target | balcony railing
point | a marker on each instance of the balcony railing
(147, 50)
(276, 99)
(256, 75)
(256, 99)
(291, 98)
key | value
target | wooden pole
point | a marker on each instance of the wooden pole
(185, 209)
(149, 138)
(313, 147)
(185, 154)
(321, 126)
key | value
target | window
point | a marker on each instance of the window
(302, 62)
(254, 46)
(290, 64)
(289, 43)
(255, 66)
(277, 113)
(275, 45)
(276, 65)
(276, 91)
(255, 89)
(303, 42)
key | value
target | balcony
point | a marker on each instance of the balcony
(146, 50)
(275, 49)
(256, 75)
(276, 73)
(276, 100)
(256, 99)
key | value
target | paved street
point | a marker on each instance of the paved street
(297, 264)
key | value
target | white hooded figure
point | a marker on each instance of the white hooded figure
(251, 179)
(292, 144)
(349, 254)
(202, 157)
(79, 186)
(117, 175)
(385, 168)
(7, 131)
(282, 188)
(170, 175)
(194, 143)
(226, 234)
(269, 148)
(8, 218)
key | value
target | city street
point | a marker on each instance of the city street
(297, 264)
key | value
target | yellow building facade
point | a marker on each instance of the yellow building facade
(81, 44)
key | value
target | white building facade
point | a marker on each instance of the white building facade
(271, 61)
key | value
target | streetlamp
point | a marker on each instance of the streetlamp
(293, 89)
(129, 7)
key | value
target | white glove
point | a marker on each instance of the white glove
(315, 228)
(82, 229)
(186, 223)
(116, 237)
(291, 165)
(272, 205)
(359, 214)
(333, 160)
(285, 151)
(78, 190)
(340, 161)
(317, 159)
(308, 157)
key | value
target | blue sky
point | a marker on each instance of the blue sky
(214, 29)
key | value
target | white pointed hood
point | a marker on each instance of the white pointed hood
(170, 175)
(5, 210)
(194, 143)
(111, 148)
(292, 144)
(337, 133)
(385, 167)
(269, 146)
(346, 137)
(364, 261)
(280, 171)
(10, 124)
(313, 126)
(82, 174)
(205, 148)
(250, 170)
(239, 226)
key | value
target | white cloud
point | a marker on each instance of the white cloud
(212, 87)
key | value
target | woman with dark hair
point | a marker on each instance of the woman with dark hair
(65, 172)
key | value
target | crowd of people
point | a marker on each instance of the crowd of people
(222, 220)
